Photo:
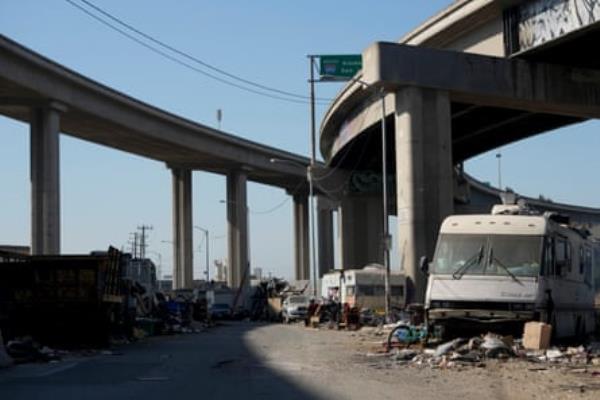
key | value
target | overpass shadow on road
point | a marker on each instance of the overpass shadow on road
(220, 363)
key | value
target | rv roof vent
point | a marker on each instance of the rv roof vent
(520, 208)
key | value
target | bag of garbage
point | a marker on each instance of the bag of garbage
(448, 346)
(495, 346)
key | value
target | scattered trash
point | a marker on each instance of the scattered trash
(405, 354)
(25, 349)
(496, 346)
(477, 350)
(447, 347)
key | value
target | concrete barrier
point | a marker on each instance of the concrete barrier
(5, 360)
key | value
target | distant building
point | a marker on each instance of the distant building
(257, 274)
(221, 266)
(25, 250)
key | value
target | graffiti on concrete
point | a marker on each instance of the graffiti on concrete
(541, 21)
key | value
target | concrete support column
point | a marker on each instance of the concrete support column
(325, 235)
(361, 228)
(423, 178)
(45, 181)
(301, 238)
(237, 230)
(183, 267)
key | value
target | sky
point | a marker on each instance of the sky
(106, 194)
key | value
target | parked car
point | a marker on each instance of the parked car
(294, 308)
(220, 311)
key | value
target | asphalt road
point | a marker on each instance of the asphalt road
(217, 364)
(259, 361)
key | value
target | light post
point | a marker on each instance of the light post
(499, 157)
(207, 248)
(386, 231)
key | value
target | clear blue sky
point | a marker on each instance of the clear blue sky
(107, 193)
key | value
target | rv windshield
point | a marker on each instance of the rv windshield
(503, 255)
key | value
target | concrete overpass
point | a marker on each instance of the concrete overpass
(478, 75)
(54, 99)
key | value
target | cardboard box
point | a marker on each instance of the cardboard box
(536, 335)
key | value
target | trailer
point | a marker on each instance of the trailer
(364, 288)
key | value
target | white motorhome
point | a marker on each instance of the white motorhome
(512, 266)
(364, 288)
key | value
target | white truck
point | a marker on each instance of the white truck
(510, 267)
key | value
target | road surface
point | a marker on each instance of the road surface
(258, 361)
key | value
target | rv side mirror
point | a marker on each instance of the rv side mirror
(424, 265)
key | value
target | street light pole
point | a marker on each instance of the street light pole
(386, 229)
(207, 248)
(499, 157)
(309, 172)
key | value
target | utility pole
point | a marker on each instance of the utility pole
(310, 170)
(206, 235)
(143, 243)
(386, 229)
(219, 117)
(134, 244)
(499, 157)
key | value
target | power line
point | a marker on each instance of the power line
(191, 57)
(281, 204)
(182, 63)
(296, 97)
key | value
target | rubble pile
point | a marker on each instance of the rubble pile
(476, 351)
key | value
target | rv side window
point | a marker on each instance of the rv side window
(350, 290)
(398, 291)
(563, 257)
(588, 267)
(596, 269)
(366, 290)
(549, 257)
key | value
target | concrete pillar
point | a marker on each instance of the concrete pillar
(237, 230)
(45, 181)
(325, 235)
(183, 267)
(423, 178)
(361, 229)
(301, 238)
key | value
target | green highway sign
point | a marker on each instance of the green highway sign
(340, 66)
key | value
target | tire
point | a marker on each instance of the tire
(392, 339)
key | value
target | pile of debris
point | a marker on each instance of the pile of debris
(476, 351)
